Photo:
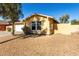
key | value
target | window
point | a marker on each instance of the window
(51, 26)
(33, 25)
(38, 25)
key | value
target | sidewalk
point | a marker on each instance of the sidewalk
(4, 33)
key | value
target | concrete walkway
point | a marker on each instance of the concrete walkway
(4, 33)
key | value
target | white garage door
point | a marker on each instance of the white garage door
(19, 28)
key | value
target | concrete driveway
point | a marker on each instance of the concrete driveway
(4, 33)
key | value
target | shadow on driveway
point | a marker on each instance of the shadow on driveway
(21, 36)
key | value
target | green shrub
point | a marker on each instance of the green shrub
(9, 29)
(26, 30)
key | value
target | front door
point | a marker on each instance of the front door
(36, 27)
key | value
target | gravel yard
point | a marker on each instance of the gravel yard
(51, 45)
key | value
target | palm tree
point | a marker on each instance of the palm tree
(11, 11)
(64, 19)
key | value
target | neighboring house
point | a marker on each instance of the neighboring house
(18, 27)
(3, 25)
(41, 24)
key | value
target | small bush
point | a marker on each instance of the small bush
(26, 30)
(9, 29)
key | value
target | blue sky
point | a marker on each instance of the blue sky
(52, 9)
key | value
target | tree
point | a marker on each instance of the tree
(11, 11)
(64, 19)
(75, 22)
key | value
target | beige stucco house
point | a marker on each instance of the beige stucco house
(41, 24)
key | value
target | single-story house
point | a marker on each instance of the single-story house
(3, 25)
(41, 24)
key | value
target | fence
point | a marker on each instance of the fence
(67, 28)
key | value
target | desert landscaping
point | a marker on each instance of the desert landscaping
(34, 29)
(40, 45)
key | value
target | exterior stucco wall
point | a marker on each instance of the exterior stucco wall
(67, 28)
(74, 28)
(45, 26)
(51, 26)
